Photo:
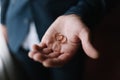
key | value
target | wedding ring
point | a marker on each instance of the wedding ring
(56, 47)
(61, 38)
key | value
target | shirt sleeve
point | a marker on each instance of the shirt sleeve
(90, 11)
(4, 7)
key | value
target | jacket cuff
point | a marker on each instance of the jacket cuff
(90, 12)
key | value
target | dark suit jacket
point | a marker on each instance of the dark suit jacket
(17, 15)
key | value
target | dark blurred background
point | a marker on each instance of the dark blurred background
(107, 39)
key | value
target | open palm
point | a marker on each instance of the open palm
(62, 40)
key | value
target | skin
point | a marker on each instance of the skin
(54, 53)
(76, 34)
(4, 31)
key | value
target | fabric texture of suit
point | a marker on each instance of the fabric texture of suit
(43, 13)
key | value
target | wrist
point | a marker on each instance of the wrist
(70, 16)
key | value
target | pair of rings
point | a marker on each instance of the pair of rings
(60, 39)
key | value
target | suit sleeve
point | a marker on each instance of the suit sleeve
(90, 11)
(4, 7)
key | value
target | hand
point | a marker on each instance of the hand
(62, 40)
(4, 31)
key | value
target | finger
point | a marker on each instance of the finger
(47, 51)
(52, 63)
(57, 62)
(86, 44)
(31, 53)
(42, 49)
(36, 47)
(42, 45)
(39, 57)
(54, 55)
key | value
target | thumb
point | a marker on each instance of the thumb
(89, 49)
